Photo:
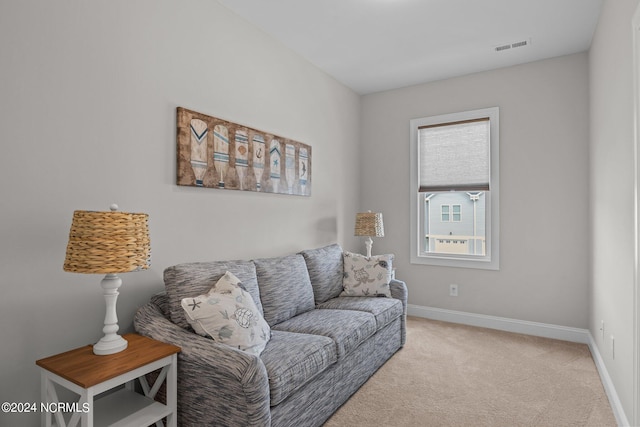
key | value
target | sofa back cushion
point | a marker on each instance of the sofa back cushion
(325, 267)
(196, 278)
(285, 288)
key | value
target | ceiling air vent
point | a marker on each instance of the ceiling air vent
(513, 45)
(520, 44)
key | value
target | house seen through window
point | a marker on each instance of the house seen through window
(460, 229)
(454, 189)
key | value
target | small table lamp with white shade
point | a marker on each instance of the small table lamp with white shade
(108, 243)
(369, 224)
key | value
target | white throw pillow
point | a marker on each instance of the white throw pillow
(228, 315)
(366, 276)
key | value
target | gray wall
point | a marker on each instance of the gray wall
(611, 195)
(543, 189)
(88, 97)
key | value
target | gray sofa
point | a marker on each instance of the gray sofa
(323, 346)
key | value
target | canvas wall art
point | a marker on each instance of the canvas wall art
(216, 153)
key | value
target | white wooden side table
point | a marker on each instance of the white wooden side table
(89, 375)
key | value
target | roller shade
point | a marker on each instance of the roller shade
(455, 156)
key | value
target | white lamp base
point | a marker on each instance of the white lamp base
(104, 347)
(369, 243)
(111, 342)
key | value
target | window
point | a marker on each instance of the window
(445, 213)
(450, 213)
(455, 189)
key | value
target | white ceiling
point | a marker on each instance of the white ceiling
(376, 45)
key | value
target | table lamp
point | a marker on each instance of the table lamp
(369, 224)
(108, 243)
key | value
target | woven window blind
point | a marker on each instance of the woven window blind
(455, 156)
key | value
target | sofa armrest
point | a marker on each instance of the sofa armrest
(399, 291)
(217, 384)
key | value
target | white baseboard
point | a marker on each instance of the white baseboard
(502, 323)
(546, 330)
(614, 400)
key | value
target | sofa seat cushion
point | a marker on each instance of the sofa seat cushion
(196, 278)
(385, 310)
(347, 328)
(293, 359)
(285, 287)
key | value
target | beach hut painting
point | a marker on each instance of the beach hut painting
(216, 153)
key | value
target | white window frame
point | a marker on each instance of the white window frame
(453, 213)
(450, 213)
(443, 213)
(491, 261)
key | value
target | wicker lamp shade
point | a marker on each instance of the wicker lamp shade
(108, 242)
(369, 224)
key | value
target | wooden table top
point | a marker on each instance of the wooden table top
(82, 367)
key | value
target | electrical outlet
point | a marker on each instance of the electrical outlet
(453, 290)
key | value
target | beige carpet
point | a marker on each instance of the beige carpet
(455, 375)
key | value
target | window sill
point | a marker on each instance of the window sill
(452, 261)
